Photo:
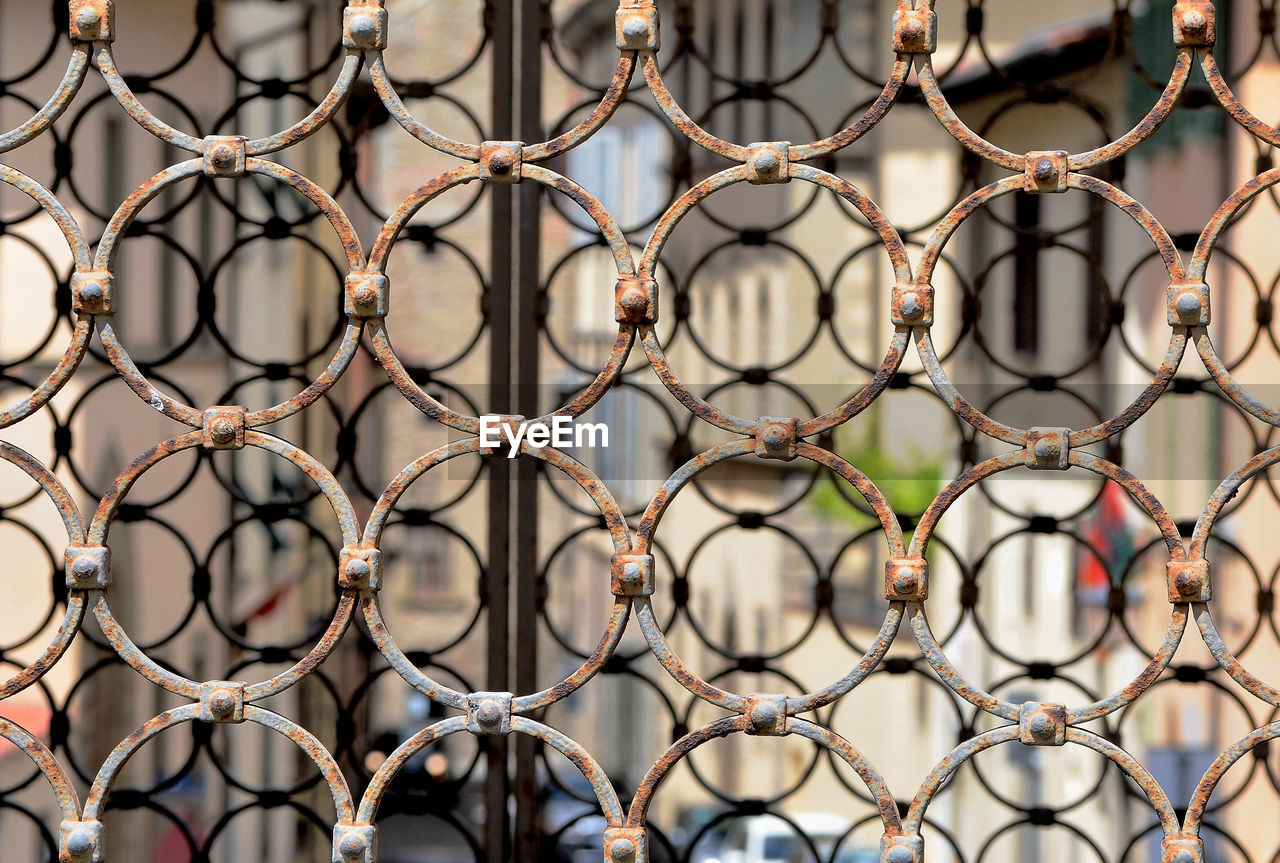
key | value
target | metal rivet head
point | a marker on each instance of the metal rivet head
(1184, 856)
(900, 854)
(765, 162)
(222, 156)
(222, 431)
(1044, 171)
(488, 714)
(636, 29)
(501, 162)
(1187, 581)
(1194, 21)
(633, 299)
(363, 27)
(91, 291)
(87, 17)
(764, 714)
(358, 570)
(1188, 305)
(912, 31)
(1046, 448)
(623, 851)
(80, 843)
(222, 703)
(911, 307)
(352, 845)
(85, 567)
(1042, 727)
(904, 580)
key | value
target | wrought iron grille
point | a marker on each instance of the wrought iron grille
(940, 410)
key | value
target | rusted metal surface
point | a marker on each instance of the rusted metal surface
(639, 293)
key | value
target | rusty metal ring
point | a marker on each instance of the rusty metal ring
(61, 99)
(96, 801)
(924, 343)
(611, 514)
(149, 668)
(49, 766)
(76, 599)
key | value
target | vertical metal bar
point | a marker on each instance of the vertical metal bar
(529, 79)
(497, 786)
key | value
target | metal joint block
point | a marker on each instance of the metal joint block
(80, 842)
(906, 579)
(903, 848)
(915, 31)
(768, 714)
(88, 567)
(1046, 171)
(626, 845)
(364, 27)
(1195, 24)
(360, 568)
(225, 155)
(355, 843)
(368, 295)
(776, 438)
(631, 574)
(93, 292)
(1188, 580)
(224, 427)
(636, 26)
(1188, 304)
(636, 300)
(768, 162)
(489, 712)
(501, 161)
(1048, 448)
(507, 424)
(1182, 848)
(912, 305)
(1041, 724)
(92, 20)
(222, 701)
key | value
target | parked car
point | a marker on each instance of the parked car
(771, 839)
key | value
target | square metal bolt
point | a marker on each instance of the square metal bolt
(80, 842)
(489, 712)
(915, 31)
(1188, 304)
(92, 20)
(93, 292)
(906, 579)
(1182, 848)
(768, 162)
(636, 300)
(368, 295)
(498, 441)
(1188, 580)
(904, 848)
(911, 305)
(224, 427)
(225, 155)
(360, 568)
(768, 714)
(626, 845)
(501, 161)
(1048, 448)
(1041, 724)
(636, 26)
(355, 843)
(776, 438)
(88, 567)
(631, 574)
(1046, 171)
(1195, 24)
(222, 701)
(364, 27)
